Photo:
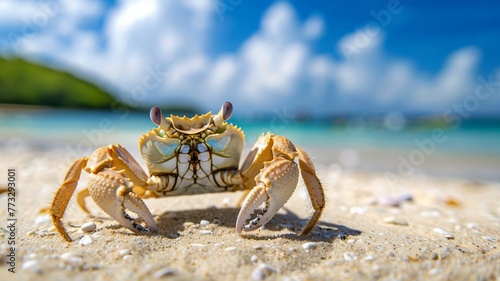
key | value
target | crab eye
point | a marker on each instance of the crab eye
(227, 110)
(156, 115)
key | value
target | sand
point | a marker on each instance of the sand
(372, 229)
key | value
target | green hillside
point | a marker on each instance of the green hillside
(23, 82)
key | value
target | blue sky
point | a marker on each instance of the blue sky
(424, 31)
(320, 57)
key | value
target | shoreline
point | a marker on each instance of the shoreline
(409, 153)
(387, 162)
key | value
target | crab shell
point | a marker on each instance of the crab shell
(192, 150)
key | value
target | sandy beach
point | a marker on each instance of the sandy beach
(396, 104)
(372, 229)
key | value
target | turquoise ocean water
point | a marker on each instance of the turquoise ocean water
(470, 151)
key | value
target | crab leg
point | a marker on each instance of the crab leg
(113, 175)
(271, 162)
(275, 184)
(271, 168)
(113, 193)
(314, 189)
(80, 199)
(64, 193)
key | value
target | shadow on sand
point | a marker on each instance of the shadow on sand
(171, 223)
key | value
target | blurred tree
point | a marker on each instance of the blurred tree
(23, 82)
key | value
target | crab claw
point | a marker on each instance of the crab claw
(113, 193)
(275, 184)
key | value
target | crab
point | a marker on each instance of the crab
(192, 156)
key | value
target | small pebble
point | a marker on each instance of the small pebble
(413, 258)
(475, 231)
(32, 265)
(88, 227)
(443, 232)
(341, 236)
(226, 201)
(434, 271)
(350, 256)
(430, 213)
(164, 272)
(230, 249)
(204, 223)
(490, 238)
(309, 245)
(262, 271)
(188, 224)
(389, 201)
(254, 258)
(70, 254)
(406, 197)
(450, 201)
(85, 240)
(369, 258)
(52, 228)
(434, 256)
(72, 259)
(258, 247)
(124, 252)
(395, 220)
(472, 225)
(197, 245)
(206, 232)
(127, 257)
(43, 220)
(31, 256)
(358, 210)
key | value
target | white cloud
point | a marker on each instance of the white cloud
(313, 27)
(399, 79)
(279, 20)
(152, 33)
(222, 73)
(273, 62)
(273, 68)
(185, 74)
(17, 13)
(81, 10)
(360, 45)
(378, 83)
(321, 70)
(458, 74)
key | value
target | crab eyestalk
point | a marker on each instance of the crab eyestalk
(224, 114)
(157, 117)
